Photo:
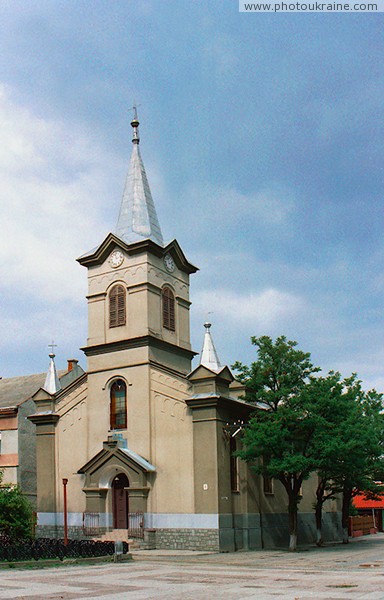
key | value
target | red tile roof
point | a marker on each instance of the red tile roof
(360, 501)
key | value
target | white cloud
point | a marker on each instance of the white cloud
(258, 310)
(57, 200)
(53, 179)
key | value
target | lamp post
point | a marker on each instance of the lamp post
(65, 481)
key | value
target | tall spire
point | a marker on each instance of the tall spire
(137, 219)
(52, 383)
(209, 356)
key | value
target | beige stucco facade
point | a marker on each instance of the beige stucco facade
(174, 450)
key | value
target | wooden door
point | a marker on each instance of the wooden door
(120, 501)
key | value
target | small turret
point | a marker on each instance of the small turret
(209, 356)
(52, 383)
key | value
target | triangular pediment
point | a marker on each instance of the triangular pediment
(174, 249)
(42, 394)
(202, 372)
(98, 255)
(112, 452)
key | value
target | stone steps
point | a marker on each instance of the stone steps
(121, 535)
(116, 535)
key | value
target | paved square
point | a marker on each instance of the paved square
(355, 571)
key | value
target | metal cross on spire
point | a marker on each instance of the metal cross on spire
(134, 108)
(52, 383)
(52, 345)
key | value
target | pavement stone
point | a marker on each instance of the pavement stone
(354, 571)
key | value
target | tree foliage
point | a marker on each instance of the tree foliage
(305, 423)
(354, 457)
(16, 512)
(279, 374)
(281, 432)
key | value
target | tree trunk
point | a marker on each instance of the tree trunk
(345, 535)
(292, 542)
(347, 496)
(319, 537)
(292, 514)
(318, 515)
(319, 511)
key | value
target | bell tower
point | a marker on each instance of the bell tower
(138, 302)
(138, 287)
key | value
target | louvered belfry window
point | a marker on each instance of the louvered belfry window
(118, 405)
(117, 306)
(168, 301)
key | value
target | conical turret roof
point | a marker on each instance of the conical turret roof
(137, 219)
(52, 383)
(209, 357)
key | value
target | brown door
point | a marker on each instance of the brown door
(120, 501)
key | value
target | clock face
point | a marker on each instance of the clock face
(116, 258)
(169, 263)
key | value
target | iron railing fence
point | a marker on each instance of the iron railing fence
(43, 548)
(91, 523)
(136, 525)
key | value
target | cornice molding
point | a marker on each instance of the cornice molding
(138, 342)
(8, 411)
(101, 253)
(217, 401)
(44, 418)
(71, 386)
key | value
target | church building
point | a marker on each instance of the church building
(143, 443)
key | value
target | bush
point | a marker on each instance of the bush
(16, 513)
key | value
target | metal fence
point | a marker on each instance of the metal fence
(91, 523)
(136, 525)
(21, 550)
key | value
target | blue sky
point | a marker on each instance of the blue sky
(262, 137)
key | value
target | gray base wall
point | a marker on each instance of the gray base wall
(74, 533)
(237, 532)
(248, 532)
(188, 539)
(252, 532)
(276, 532)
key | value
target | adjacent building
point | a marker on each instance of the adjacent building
(17, 433)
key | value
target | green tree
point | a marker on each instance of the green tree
(16, 512)
(327, 400)
(306, 423)
(282, 431)
(356, 453)
(349, 442)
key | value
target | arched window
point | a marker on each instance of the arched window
(168, 302)
(118, 405)
(117, 306)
